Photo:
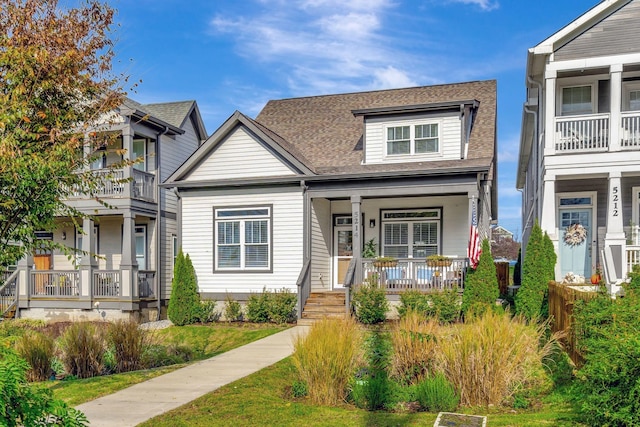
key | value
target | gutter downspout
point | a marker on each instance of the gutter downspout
(536, 140)
(159, 257)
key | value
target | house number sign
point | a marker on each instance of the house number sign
(615, 200)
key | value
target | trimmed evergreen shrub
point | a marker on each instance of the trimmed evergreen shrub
(436, 394)
(232, 309)
(282, 306)
(258, 307)
(481, 286)
(206, 312)
(537, 270)
(184, 304)
(370, 304)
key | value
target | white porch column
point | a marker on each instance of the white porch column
(615, 119)
(548, 211)
(127, 145)
(88, 262)
(615, 238)
(128, 264)
(550, 113)
(356, 235)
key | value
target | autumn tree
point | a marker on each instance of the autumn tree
(56, 83)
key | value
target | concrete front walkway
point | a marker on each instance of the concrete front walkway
(146, 400)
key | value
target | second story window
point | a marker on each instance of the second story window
(415, 139)
(576, 100)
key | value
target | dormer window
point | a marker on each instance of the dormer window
(414, 139)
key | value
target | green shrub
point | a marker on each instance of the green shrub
(22, 404)
(282, 306)
(376, 387)
(83, 350)
(184, 304)
(443, 306)
(608, 335)
(481, 285)
(370, 304)
(299, 389)
(435, 394)
(38, 350)
(206, 312)
(157, 355)
(258, 307)
(232, 309)
(517, 270)
(128, 342)
(327, 358)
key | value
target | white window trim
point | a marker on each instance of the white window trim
(243, 219)
(141, 230)
(578, 83)
(145, 154)
(411, 221)
(412, 138)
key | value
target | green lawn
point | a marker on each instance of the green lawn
(262, 399)
(205, 340)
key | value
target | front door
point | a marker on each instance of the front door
(42, 262)
(343, 252)
(575, 241)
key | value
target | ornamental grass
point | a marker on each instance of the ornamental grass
(38, 350)
(492, 356)
(414, 347)
(327, 358)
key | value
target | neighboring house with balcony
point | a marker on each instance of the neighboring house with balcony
(134, 237)
(579, 163)
(499, 233)
(289, 199)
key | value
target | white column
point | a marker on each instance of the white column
(550, 113)
(25, 265)
(615, 119)
(88, 261)
(127, 145)
(548, 211)
(128, 264)
(615, 238)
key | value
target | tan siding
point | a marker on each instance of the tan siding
(615, 35)
(450, 135)
(239, 156)
(321, 233)
(197, 239)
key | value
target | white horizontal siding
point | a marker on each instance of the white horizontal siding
(287, 249)
(449, 132)
(239, 156)
(321, 237)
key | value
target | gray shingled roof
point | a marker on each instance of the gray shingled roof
(324, 131)
(173, 113)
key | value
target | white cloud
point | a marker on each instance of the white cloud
(391, 77)
(484, 4)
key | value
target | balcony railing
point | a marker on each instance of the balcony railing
(147, 284)
(582, 133)
(416, 274)
(55, 283)
(630, 136)
(106, 283)
(8, 291)
(143, 185)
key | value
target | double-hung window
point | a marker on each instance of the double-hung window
(577, 100)
(413, 139)
(411, 233)
(243, 238)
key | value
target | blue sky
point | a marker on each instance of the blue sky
(235, 55)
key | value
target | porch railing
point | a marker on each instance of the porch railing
(630, 136)
(55, 283)
(147, 284)
(416, 274)
(582, 133)
(8, 291)
(304, 285)
(633, 256)
(143, 185)
(106, 283)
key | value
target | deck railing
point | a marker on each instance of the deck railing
(147, 284)
(143, 185)
(416, 274)
(633, 256)
(106, 283)
(8, 291)
(582, 133)
(51, 283)
(630, 136)
(304, 285)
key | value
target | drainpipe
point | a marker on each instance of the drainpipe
(158, 191)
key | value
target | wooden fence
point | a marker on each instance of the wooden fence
(561, 301)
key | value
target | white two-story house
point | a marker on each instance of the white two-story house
(289, 199)
(132, 237)
(579, 164)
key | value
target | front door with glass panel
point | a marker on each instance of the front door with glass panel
(342, 249)
(576, 234)
(141, 247)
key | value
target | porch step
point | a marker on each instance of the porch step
(322, 305)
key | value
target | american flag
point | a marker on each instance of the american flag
(473, 252)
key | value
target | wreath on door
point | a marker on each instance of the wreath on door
(575, 234)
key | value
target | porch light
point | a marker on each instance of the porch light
(372, 223)
(64, 235)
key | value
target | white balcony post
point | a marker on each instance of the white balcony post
(550, 113)
(616, 104)
(127, 145)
